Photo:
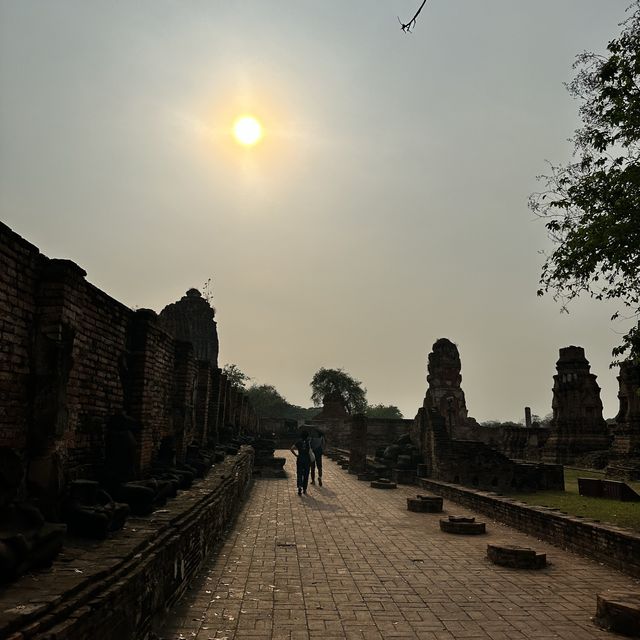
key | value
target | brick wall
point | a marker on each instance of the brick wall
(184, 396)
(380, 432)
(72, 359)
(20, 265)
(93, 327)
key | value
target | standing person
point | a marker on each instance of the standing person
(318, 444)
(303, 461)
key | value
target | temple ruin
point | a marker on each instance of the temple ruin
(105, 411)
(446, 456)
(624, 457)
(577, 427)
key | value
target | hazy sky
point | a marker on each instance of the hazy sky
(384, 209)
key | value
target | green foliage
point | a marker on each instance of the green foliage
(336, 381)
(269, 403)
(383, 411)
(592, 204)
(236, 377)
(494, 424)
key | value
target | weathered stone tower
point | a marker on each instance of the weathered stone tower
(577, 427)
(444, 393)
(624, 461)
(192, 319)
(439, 431)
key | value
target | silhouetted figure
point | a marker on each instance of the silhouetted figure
(318, 444)
(303, 462)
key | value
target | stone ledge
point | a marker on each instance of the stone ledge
(614, 546)
(619, 611)
(425, 504)
(111, 589)
(508, 555)
(383, 483)
(461, 525)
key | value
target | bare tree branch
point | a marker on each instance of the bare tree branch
(408, 26)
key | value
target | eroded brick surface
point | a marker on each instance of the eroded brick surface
(348, 561)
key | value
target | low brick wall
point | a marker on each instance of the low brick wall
(613, 546)
(113, 589)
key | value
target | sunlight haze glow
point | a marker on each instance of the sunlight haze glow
(247, 130)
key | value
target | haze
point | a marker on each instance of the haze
(385, 207)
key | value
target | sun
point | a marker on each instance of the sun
(247, 130)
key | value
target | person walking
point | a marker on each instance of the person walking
(318, 445)
(301, 449)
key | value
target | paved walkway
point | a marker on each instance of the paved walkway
(348, 561)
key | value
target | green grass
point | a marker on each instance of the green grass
(622, 514)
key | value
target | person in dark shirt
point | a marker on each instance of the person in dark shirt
(318, 446)
(301, 450)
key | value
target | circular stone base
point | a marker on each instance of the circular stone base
(462, 525)
(619, 611)
(425, 504)
(516, 557)
(383, 484)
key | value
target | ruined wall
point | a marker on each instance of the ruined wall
(468, 462)
(152, 365)
(20, 266)
(381, 432)
(72, 359)
(517, 442)
(79, 348)
(624, 457)
(62, 343)
(184, 396)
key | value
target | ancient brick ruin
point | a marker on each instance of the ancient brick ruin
(103, 410)
(192, 319)
(445, 394)
(577, 427)
(624, 457)
(468, 462)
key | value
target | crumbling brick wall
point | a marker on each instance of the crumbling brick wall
(72, 358)
(20, 264)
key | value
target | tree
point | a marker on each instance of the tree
(236, 377)
(270, 403)
(267, 401)
(336, 381)
(383, 411)
(592, 204)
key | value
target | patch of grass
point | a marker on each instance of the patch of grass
(622, 514)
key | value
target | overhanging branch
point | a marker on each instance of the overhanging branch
(407, 27)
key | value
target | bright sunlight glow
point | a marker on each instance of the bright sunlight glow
(247, 130)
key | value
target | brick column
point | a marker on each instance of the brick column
(53, 348)
(202, 402)
(227, 424)
(215, 395)
(184, 391)
(358, 451)
(151, 381)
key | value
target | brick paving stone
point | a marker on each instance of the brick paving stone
(349, 561)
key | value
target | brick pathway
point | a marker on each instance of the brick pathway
(348, 561)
